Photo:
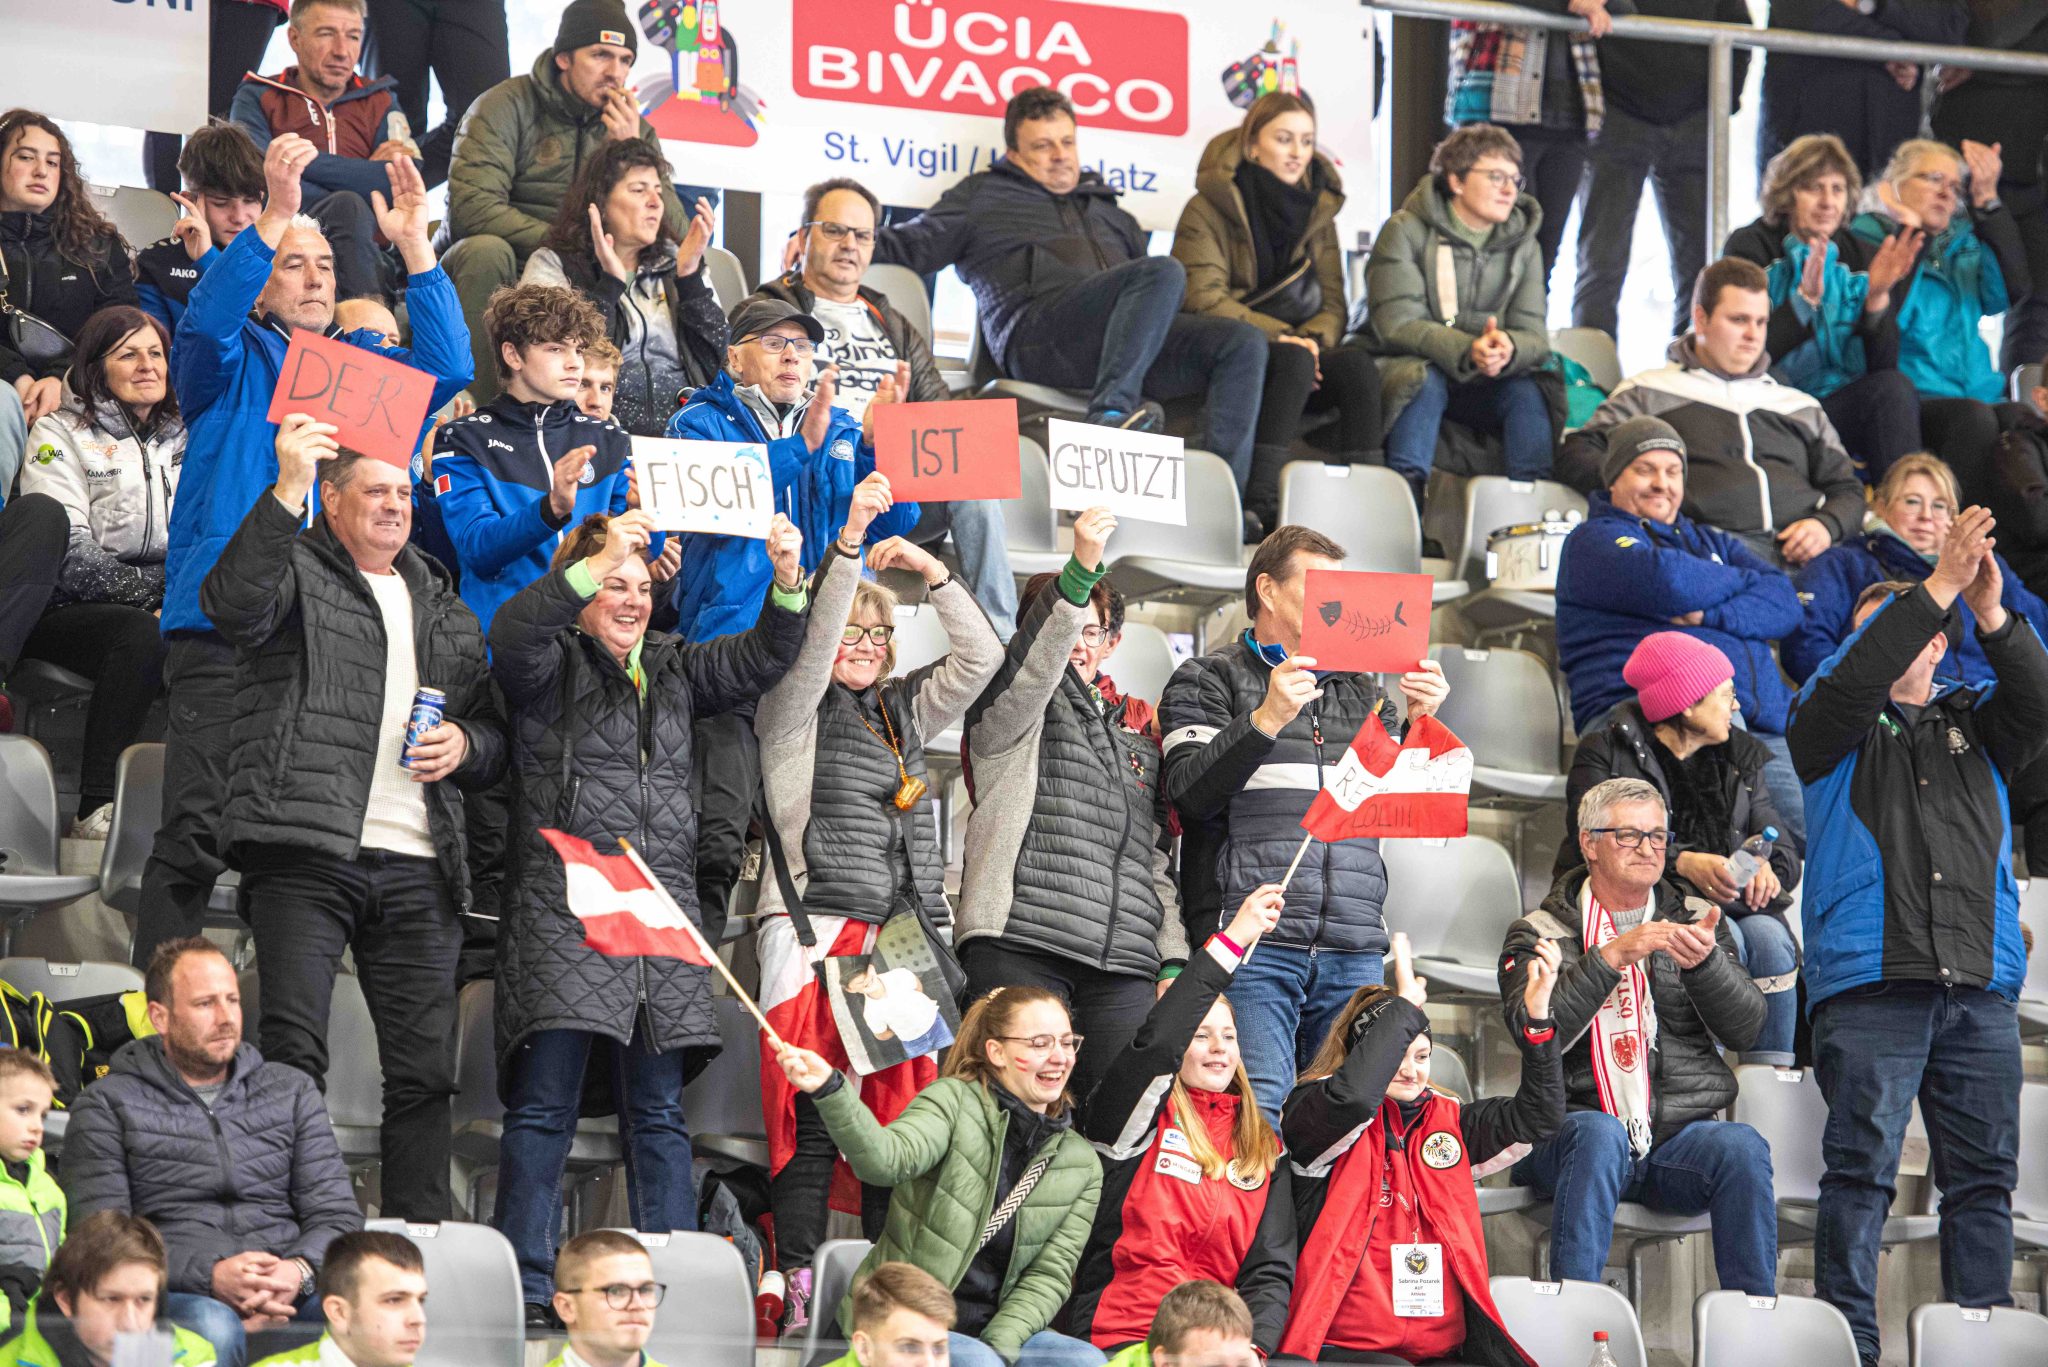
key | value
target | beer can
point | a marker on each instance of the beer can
(429, 706)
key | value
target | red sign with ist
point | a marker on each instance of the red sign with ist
(379, 404)
(1366, 622)
(939, 452)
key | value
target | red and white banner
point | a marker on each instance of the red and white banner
(624, 914)
(1417, 789)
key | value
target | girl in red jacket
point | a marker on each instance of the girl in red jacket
(1384, 1169)
(1194, 1185)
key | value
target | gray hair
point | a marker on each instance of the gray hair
(306, 223)
(1910, 153)
(1602, 798)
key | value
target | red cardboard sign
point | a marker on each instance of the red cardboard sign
(1366, 622)
(940, 452)
(379, 404)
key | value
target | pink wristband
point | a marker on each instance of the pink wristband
(1229, 944)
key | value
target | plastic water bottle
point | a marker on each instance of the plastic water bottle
(1755, 852)
(768, 1306)
(1601, 1357)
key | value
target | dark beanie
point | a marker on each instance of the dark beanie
(587, 22)
(1634, 437)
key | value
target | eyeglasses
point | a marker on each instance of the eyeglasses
(1095, 636)
(839, 232)
(1939, 507)
(774, 342)
(880, 635)
(1935, 180)
(619, 1295)
(1628, 837)
(1042, 1044)
(1500, 178)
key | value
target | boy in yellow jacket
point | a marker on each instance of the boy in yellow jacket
(31, 1202)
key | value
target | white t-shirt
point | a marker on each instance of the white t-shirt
(396, 817)
(855, 340)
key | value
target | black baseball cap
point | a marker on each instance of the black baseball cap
(755, 316)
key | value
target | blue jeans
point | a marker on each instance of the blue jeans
(1716, 1166)
(541, 1108)
(978, 537)
(1768, 951)
(1285, 999)
(1120, 335)
(1875, 1049)
(1042, 1349)
(13, 446)
(1514, 407)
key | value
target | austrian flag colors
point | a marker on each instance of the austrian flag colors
(622, 912)
(1416, 789)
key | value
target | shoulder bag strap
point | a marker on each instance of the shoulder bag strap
(1004, 1213)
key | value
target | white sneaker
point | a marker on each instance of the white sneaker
(96, 826)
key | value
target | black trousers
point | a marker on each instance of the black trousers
(1107, 1007)
(462, 42)
(800, 1196)
(33, 531)
(200, 671)
(1877, 415)
(121, 649)
(728, 781)
(1553, 159)
(396, 913)
(1350, 385)
(1964, 433)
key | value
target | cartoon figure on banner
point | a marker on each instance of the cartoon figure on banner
(699, 98)
(1265, 71)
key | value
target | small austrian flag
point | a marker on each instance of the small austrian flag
(624, 914)
(442, 484)
(1417, 789)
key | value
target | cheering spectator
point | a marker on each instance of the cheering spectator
(1678, 735)
(335, 813)
(1913, 940)
(223, 175)
(1833, 332)
(601, 727)
(1185, 1146)
(1364, 1113)
(612, 244)
(901, 1317)
(606, 1298)
(1199, 1324)
(373, 1295)
(1259, 244)
(1066, 882)
(60, 263)
(1648, 986)
(599, 383)
(1763, 461)
(1872, 108)
(232, 1157)
(107, 1280)
(31, 1202)
(994, 1133)
(521, 144)
(1067, 295)
(109, 460)
(1248, 729)
(1971, 266)
(1450, 267)
(1638, 566)
(843, 777)
(227, 355)
(468, 49)
(867, 340)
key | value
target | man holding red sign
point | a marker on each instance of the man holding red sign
(1252, 731)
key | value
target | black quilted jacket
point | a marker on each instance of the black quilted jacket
(260, 1170)
(591, 759)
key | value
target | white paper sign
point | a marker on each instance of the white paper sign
(719, 487)
(1133, 474)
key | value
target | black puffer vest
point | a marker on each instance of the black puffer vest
(860, 851)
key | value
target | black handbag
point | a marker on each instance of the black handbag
(30, 338)
(1294, 298)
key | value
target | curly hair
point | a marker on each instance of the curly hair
(570, 232)
(531, 315)
(81, 232)
(1805, 159)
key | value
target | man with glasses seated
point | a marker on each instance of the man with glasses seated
(869, 340)
(606, 1296)
(1648, 985)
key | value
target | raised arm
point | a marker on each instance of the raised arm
(1495, 1126)
(936, 238)
(726, 671)
(1013, 705)
(793, 702)
(251, 590)
(1210, 752)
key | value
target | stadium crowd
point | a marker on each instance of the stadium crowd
(1800, 627)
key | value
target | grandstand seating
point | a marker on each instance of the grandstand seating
(1200, 564)
(1367, 510)
(728, 278)
(1734, 1330)
(1554, 1322)
(832, 1269)
(707, 1314)
(29, 834)
(475, 1317)
(1998, 1336)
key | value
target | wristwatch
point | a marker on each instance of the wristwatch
(308, 1283)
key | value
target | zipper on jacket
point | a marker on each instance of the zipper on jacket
(540, 441)
(1116, 862)
(1763, 480)
(1315, 732)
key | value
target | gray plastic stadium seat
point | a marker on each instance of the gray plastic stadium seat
(68, 982)
(143, 215)
(904, 289)
(475, 1318)
(1492, 502)
(1455, 902)
(728, 279)
(1033, 400)
(832, 1269)
(2025, 380)
(723, 1102)
(1447, 1070)
(41, 690)
(138, 810)
(1201, 563)
(1635, 1225)
(707, 1315)
(1504, 705)
(1031, 529)
(1945, 1335)
(1594, 350)
(29, 836)
(355, 1074)
(1730, 1329)
(1785, 1106)
(1143, 662)
(1554, 1322)
(1367, 510)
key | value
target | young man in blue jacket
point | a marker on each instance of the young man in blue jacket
(1638, 565)
(1914, 955)
(277, 275)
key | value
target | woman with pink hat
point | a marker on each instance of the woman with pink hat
(1679, 733)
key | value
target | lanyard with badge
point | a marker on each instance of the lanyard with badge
(1415, 1269)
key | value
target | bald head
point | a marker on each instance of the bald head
(301, 286)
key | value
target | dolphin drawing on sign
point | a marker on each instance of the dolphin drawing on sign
(1357, 624)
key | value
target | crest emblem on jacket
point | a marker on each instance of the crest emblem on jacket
(1956, 744)
(1242, 1178)
(1441, 1150)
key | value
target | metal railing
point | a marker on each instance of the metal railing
(1721, 40)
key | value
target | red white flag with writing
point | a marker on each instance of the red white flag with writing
(1416, 789)
(623, 913)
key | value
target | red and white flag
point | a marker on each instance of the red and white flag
(1417, 789)
(623, 913)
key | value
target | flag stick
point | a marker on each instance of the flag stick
(1297, 862)
(710, 951)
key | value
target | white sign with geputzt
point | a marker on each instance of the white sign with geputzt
(1133, 474)
(720, 487)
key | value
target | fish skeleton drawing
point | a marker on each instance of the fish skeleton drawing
(1357, 624)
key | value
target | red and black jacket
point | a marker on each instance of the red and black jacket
(1338, 1153)
(1154, 1230)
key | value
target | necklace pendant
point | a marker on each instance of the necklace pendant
(910, 793)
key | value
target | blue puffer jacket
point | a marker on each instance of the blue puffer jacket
(1833, 355)
(224, 365)
(724, 579)
(1831, 582)
(1623, 577)
(1957, 283)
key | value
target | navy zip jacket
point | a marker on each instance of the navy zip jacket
(1908, 826)
(1623, 577)
(165, 277)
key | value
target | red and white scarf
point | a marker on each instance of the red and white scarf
(1624, 1032)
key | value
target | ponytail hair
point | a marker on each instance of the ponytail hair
(993, 1016)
